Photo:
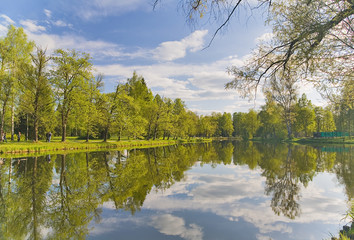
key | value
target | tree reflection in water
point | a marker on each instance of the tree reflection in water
(59, 198)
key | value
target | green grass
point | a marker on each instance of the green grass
(73, 144)
(196, 140)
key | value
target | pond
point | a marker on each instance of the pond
(219, 190)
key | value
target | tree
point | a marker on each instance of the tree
(37, 95)
(343, 106)
(91, 108)
(311, 37)
(179, 118)
(126, 115)
(238, 123)
(143, 97)
(207, 126)
(283, 91)
(251, 123)
(272, 124)
(192, 124)
(328, 121)
(226, 125)
(15, 52)
(305, 116)
(71, 73)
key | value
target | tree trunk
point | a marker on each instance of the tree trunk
(87, 135)
(155, 133)
(105, 134)
(12, 122)
(64, 120)
(35, 126)
(2, 120)
(27, 129)
(63, 134)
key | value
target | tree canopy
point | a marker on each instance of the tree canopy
(69, 100)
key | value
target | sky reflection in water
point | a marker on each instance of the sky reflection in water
(228, 202)
(217, 191)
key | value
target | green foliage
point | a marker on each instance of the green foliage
(304, 123)
(132, 111)
(37, 99)
(15, 51)
(72, 71)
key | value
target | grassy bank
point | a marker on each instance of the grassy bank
(74, 144)
(345, 140)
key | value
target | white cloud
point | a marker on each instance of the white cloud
(169, 51)
(60, 23)
(190, 82)
(31, 26)
(7, 19)
(70, 41)
(264, 38)
(97, 8)
(175, 226)
(48, 13)
(225, 194)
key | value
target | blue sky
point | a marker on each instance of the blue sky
(123, 36)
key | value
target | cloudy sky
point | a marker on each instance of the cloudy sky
(124, 36)
(226, 201)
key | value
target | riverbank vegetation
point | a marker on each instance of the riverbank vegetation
(75, 144)
(59, 93)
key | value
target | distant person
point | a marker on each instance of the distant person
(19, 136)
(49, 136)
(4, 137)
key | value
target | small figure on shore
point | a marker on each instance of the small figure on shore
(19, 136)
(4, 137)
(49, 136)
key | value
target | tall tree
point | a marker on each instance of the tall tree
(284, 92)
(343, 106)
(226, 125)
(319, 115)
(328, 121)
(92, 112)
(272, 124)
(15, 51)
(179, 118)
(305, 116)
(72, 71)
(312, 37)
(37, 94)
(251, 123)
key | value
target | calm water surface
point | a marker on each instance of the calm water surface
(222, 190)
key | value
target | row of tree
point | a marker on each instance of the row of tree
(59, 93)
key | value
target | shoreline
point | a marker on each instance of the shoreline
(56, 147)
(39, 148)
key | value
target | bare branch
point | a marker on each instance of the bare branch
(225, 22)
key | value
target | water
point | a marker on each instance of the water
(222, 190)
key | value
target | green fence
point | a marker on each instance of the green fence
(330, 134)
